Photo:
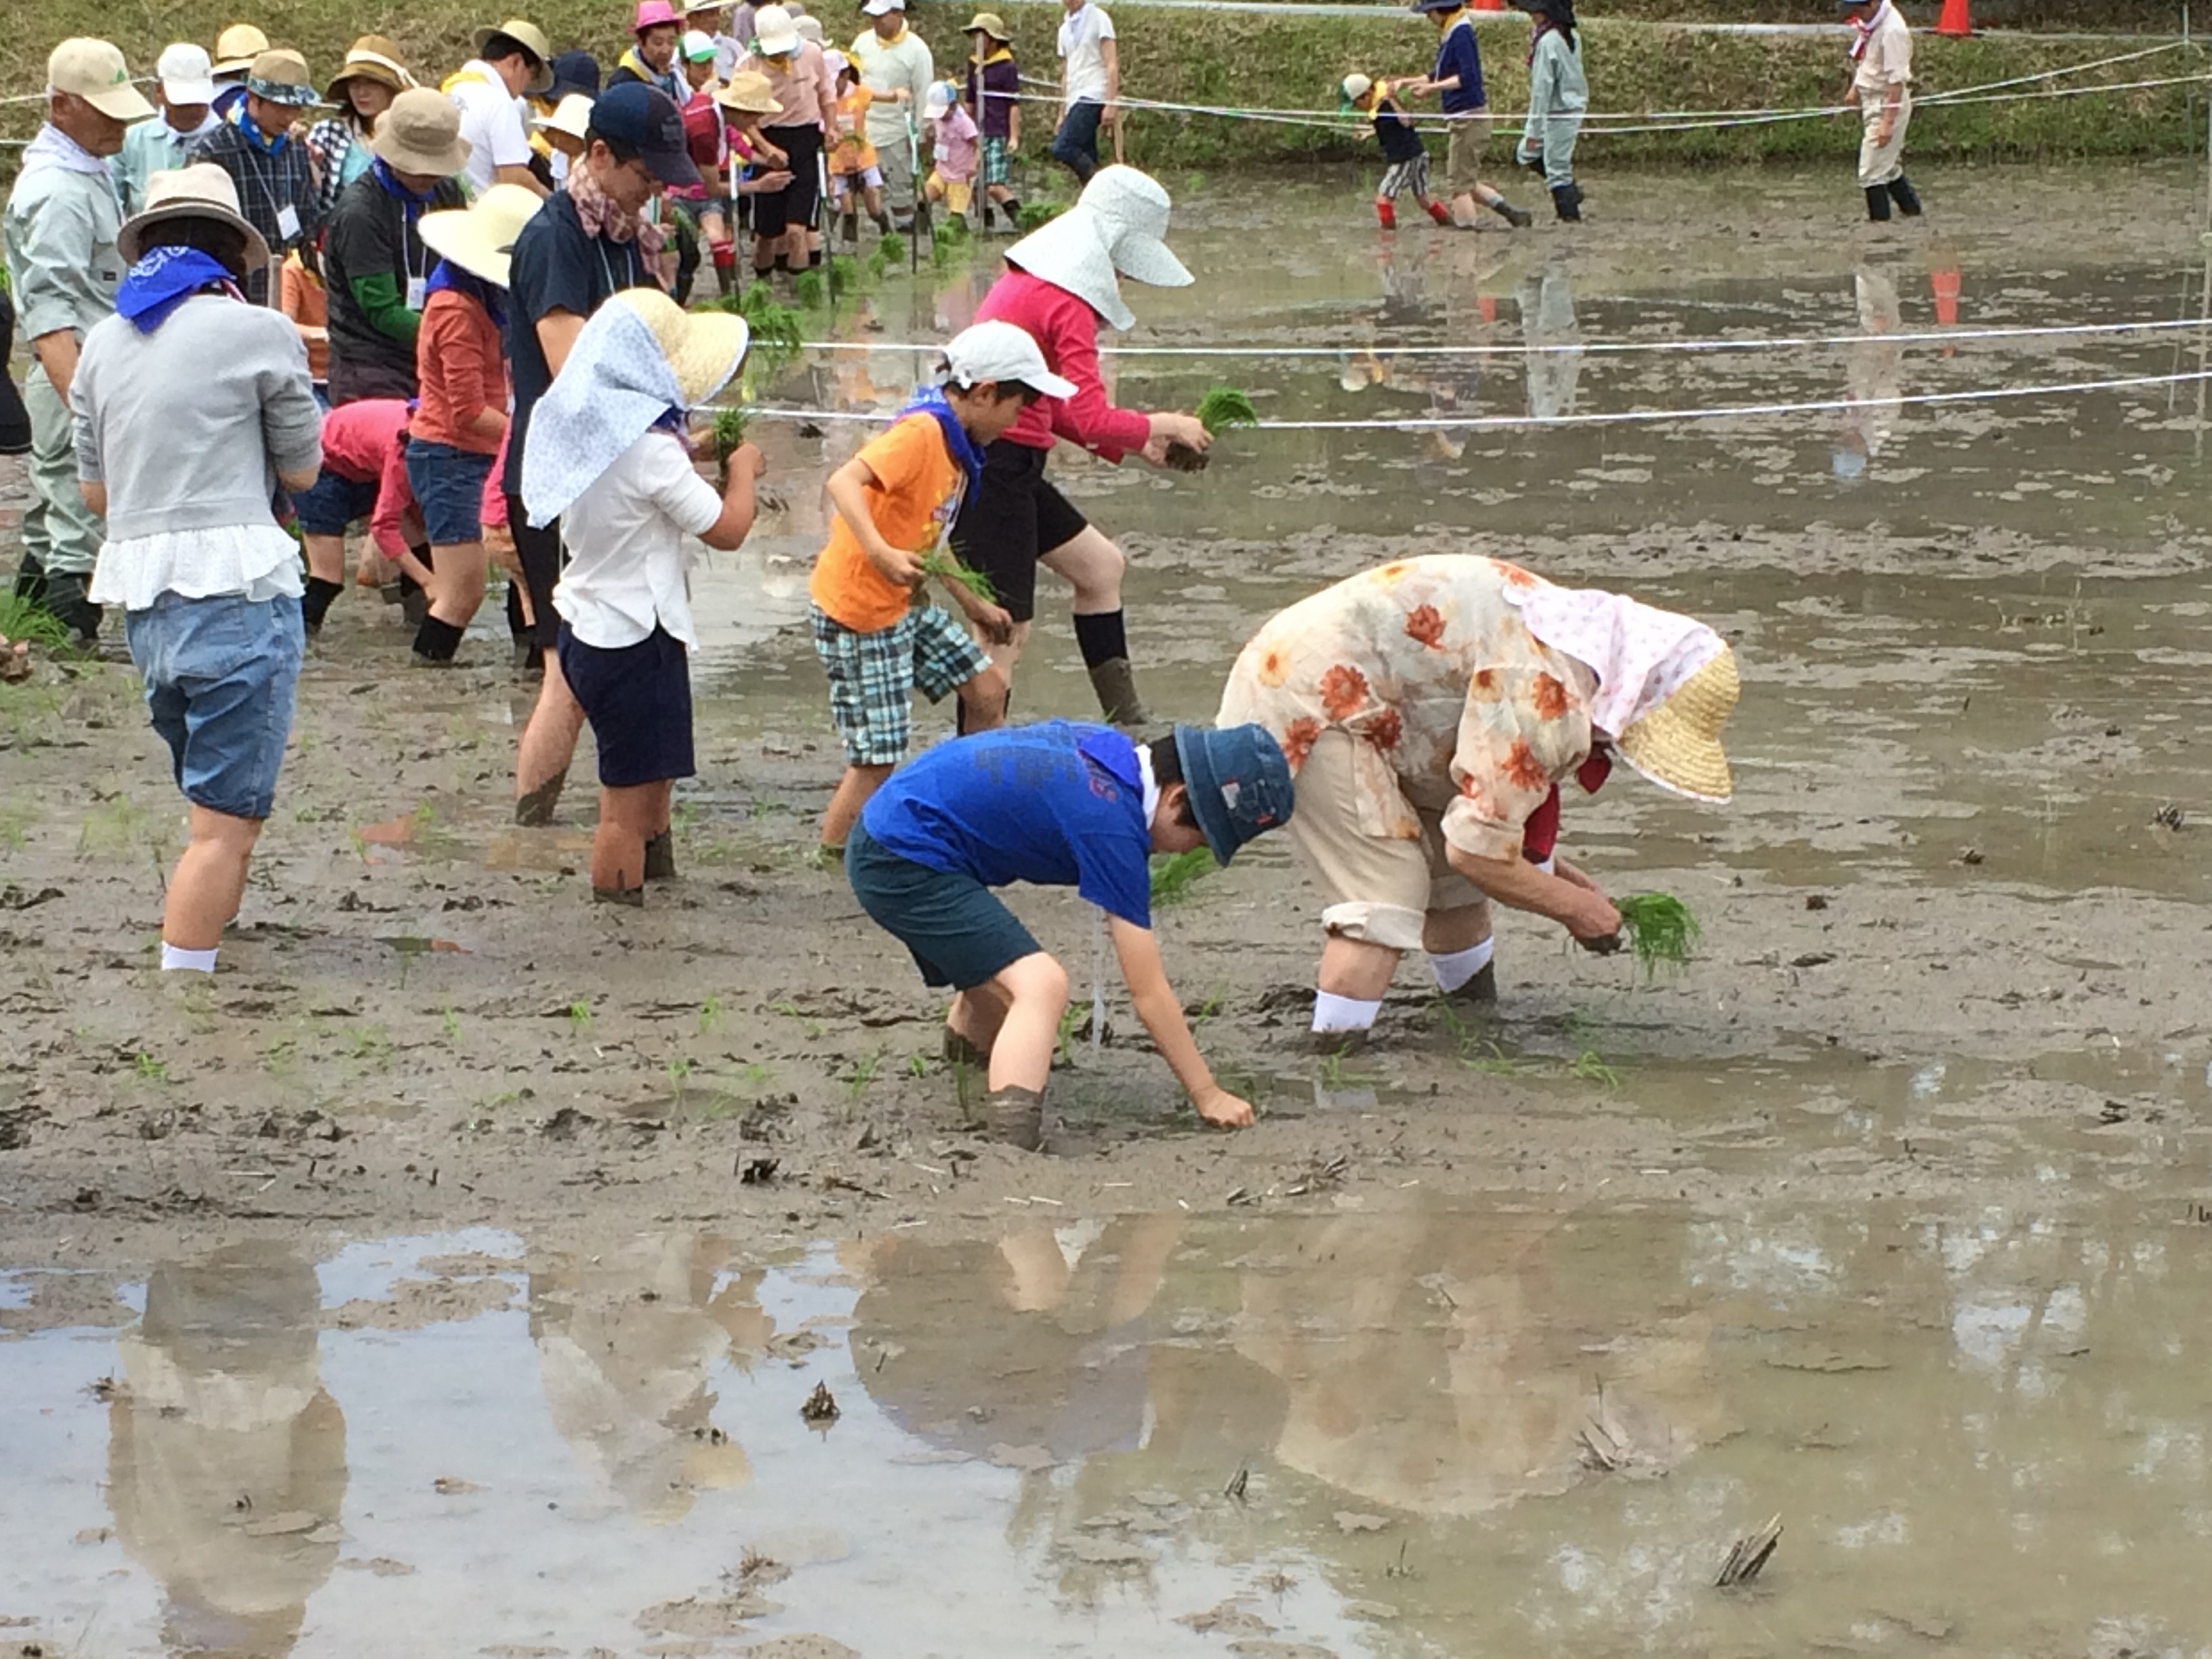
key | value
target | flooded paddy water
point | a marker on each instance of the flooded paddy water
(450, 1273)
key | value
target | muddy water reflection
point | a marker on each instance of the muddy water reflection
(1524, 1431)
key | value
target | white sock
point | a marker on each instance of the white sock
(191, 961)
(1455, 968)
(1336, 1013)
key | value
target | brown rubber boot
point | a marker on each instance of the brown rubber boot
(632, 896)
(1482, 989)
(1336, 1045)
(661, 857)
(535, 809)
(1015, 1116)
(1115, 683)
(971, 1075)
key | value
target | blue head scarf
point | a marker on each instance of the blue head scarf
(491, 298)
(163, 279)
(930, 400)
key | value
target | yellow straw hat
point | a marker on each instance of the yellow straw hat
(704, 348)
(236, 48)
(480, 237)
(749, 93)
(1678, 744)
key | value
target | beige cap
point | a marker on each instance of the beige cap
(95, 72)
(420, 132)
(751, 91)
(202, 191)
(236, 48)
(532, 39)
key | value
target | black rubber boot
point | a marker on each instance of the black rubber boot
(1567, 202)
(1015, 1116)
(1907, 198)
(1878, 203)
(30, 580)
(435, 641)
(316, 603)
(68, 600)
(1481, 990)
(1519, 218)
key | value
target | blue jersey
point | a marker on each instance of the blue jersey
(1458, 53)
(1056, 804)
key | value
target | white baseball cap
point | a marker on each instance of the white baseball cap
(939, 100)
(877, 7)
(1003, 353)
(186, 73)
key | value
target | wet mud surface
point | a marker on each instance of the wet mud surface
(1882, 1213)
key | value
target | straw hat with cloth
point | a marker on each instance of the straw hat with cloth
(480, 237)
(421, 135)
(371, 58)
(640, 359)
(236, 48)
(1113, 230)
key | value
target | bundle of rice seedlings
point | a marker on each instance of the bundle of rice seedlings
(729, 424)
(1221, 408)
(1031, 214)
(812, 290)
(844, 274)
(776, 332)
(1173, 875)
(1660, 929)
(939, 562)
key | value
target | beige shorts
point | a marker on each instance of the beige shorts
(1377, 889)
(1470, 136)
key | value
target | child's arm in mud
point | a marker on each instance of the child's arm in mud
(1139, 952)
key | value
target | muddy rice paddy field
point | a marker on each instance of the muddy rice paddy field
(449, 1274)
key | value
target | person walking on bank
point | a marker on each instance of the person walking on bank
(268, 162)
(183, 85)
(994, 100)
(1061, 282)
(375, 268)
(60, 231)
(1557, 94)
(371, 77)
(511, 60)
(892, 58)
(192, 409)
(1456, 80)
(1090, 86)
(1881, 85)
(591, 239)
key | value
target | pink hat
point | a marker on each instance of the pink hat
(651, 15)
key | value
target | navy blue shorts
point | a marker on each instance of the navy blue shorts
(449, 486)
(638, 700)
(959, 931)
(334, 504)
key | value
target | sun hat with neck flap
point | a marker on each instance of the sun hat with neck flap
(202, 191)
(1114, 228)
(421, 134)
(480, 237)
(371, 58)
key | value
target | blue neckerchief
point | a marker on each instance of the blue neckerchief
(451, 276)
(930, 401)
(254, 136)
(390, 180)
(163, 280)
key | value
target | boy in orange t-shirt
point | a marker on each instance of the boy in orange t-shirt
(896, 502)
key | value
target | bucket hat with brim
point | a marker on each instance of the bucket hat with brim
(202, 191)
(480, 237)
(532, 39)
(420, 133)
(279, 76)
(1115, 229)
(236, 48)
(1238, 781)
(748, 92)
(371, 58)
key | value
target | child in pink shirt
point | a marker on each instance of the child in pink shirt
(954, 146)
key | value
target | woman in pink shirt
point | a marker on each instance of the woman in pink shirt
(1061, 282)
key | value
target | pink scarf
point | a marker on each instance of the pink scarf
(597, 212)
(1640, 654)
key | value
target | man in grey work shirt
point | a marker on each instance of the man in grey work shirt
(59, 229)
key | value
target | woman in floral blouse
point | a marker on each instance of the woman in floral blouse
(1429, 710)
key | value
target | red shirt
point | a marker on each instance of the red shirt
(366, 442)
(1065, 330)
(460, 370)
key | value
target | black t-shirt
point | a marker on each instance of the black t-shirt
(556, 268)
(373, 234)
(1400, 141)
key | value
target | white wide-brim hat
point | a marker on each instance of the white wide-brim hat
(572, 115)
(202, 191)
(480, 237)
(1114, 228)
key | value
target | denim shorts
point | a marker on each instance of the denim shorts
(638, 699)
(220, 677)
(448, 485)
(958, 932)
(334, 504)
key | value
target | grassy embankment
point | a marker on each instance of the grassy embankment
(1248, 60)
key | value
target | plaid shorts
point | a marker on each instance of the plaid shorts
(997, 168)
(1412, 174)
(873, 676)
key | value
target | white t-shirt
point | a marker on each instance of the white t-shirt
(625, 540)
(1083, 70)
(492, 122)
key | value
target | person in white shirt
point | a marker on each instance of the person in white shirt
(1881, 85)
(1090, 86)
(893, 59)
(511, 60)
(184, 88)
(607, 455)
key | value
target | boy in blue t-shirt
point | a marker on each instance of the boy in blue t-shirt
(1457, 79)
(1057, 804)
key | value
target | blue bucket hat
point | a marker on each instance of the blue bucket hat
(1239, 784)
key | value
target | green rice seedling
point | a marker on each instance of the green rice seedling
(812, 290)
(1032, 214)
(20, 619)
(843, 271)
(1660, 929)
(951, 228)
(1175, 875)
(730, 422)
(776, 334)
(1224, 407)
(944, 254)
(942, 565)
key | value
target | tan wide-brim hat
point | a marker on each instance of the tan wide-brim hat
(480, 237)
(371, 58)
(526, 34)
(990, 23)
(749, 93)
(420, 133)
(236, 48)
(1678, 744)
(202, 191)
(704, 348)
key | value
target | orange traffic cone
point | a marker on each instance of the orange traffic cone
(1486, 5)
(1954, 20)
(1943, 287)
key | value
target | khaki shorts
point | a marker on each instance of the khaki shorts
(1377, 889)
(1470, 136)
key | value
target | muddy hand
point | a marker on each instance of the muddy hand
(1604, 946)
(1223, 1110)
